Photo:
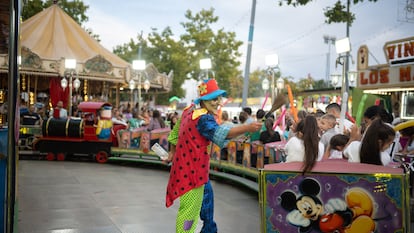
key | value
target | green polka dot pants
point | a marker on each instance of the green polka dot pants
(189, 211)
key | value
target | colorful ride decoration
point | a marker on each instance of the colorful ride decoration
(67, 137)
(334, 197)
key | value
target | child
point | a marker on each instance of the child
(338, 143)
(327, 125)
(305, 146)
(378, 137)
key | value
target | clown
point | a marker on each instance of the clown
(189, 174)
(103, 128)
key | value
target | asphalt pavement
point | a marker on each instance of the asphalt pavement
(87, 197)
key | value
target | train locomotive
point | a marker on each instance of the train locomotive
(77, 136)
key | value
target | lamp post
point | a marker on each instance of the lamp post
(70, 66)
(280, 84)
(131, 85)
(335, 79)
(272, 61)
(139, 66)
(328, 40)
(205, 65)
(265, 85)
(343, 47)
(352, 75)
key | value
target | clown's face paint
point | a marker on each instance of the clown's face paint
(212, 105)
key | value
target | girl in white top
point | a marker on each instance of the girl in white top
(377, 138)
(305, 146)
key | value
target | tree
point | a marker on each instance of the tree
(75, 9)
(336, 14)
(165, 53)
(183, 55)
(221, 47)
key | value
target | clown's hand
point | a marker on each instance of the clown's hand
(297, 219)
(335, 204)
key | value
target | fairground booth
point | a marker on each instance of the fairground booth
(60, 61)
(393, 81)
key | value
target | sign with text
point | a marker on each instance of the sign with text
(399, 72)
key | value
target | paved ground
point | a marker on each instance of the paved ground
(86, 197)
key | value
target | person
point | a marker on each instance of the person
(255, 136)
(335, 109)
(243, 116)
(134, 122)
(408, 133)
(156, 121)
(378, 137)
(337, 143)
(269, 135)
(305, 146)
(145, 117)
(327, 125)
(235, 120)
(249, 112)
(172, 118)
(189, 172)
(31, 117)
(225, 120)
(59, 112)
(117, 118)
(378, 112)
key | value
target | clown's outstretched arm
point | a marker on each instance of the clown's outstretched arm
(239, 130)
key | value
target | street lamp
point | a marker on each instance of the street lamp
(352, 76)
(70, 66)
(328, 40)
(335, 79)
(147, 85)
(205, 65)
(343, 47)
(265, 84)
(139, 66)
(272, 61)
(280, 84)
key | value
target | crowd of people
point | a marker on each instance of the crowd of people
(123, 115)
(308, 137)
(317, 136)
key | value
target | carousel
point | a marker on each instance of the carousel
(60, 61)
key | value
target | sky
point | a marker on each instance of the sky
(294, 34)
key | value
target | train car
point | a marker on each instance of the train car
(76, 136)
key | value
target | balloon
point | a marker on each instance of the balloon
(282, 116)
(361, 109)
(265, 100)
(350, 117)
(292, 106)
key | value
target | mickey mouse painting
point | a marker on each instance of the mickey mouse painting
(310, 214)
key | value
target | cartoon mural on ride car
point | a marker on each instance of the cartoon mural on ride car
(332, 204)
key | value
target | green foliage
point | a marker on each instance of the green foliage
(183, 56)
(221, 47)
(74, 8)
(31, 8)
(336, 14)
